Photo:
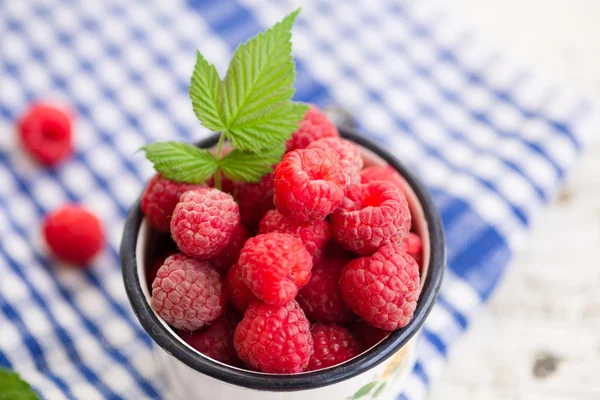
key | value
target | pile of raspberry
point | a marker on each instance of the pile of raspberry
(301, 271)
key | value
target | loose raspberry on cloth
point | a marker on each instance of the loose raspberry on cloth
(46, 133)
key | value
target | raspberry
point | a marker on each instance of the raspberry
(254, 199)
(309, 184)
(187, 293)
(314, 126)
(368, 335)
(374, 214)
(274, 266)
(240, 296)
(73, 234)
(414, 246)
(386, 173)
(203, 222)
(314, 234)
(350, 158)
(274, 339)
(160, 198)
(382, 289)
(321, 298)
(216, 341)
(45, 132)
(155, 266)
(333, 345)
(229, 256)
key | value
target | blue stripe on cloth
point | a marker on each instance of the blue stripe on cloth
(489, 250)
(448, 55)
(458, 316)
(32, 345)
(102, 182)
(62, 335)
(40, 55)
(474, 260)
(436, 341)
(115, 53)
(92, 328)
(3, 360)
(420, 373)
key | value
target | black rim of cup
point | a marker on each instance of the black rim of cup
(308, 380)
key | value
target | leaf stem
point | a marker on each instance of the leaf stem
(218, 171)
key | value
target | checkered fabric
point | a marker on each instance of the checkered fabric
(490, 140)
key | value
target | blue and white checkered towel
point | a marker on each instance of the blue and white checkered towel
(491, 141)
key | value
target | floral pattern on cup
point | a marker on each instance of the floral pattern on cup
(395, 367)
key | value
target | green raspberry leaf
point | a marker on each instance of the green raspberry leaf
(240, 165)
(12, 387)
(258, 90)
(207, 94)
(259, 132)
(252, 108)
(181, 162)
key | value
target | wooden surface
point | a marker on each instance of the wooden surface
(539, 338)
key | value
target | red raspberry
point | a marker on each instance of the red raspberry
(413, 246)
(254, 199)
(240, 296)
(314, 126)
(373, 215)
(368, 335)
(321, 298)
(309, 184)
(73, 234)
(160, 198)
(382, 289)
(155, 266)
(229, 256)
(314, 234)
(45, 132)
(334, 344)
(203, 222)
(274, 339)
(187, 293)
(350, 158)
(216, 341)
(386, 173)
(274, 266)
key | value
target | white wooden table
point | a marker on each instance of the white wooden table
(539, 338)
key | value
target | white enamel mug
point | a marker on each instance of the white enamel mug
(378, 373)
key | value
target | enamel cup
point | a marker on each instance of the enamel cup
(378, 373)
